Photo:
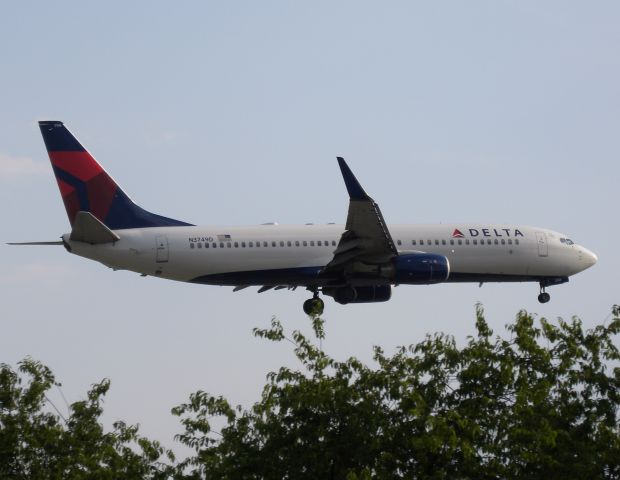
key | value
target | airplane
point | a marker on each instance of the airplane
(358, 262)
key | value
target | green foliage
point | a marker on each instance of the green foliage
(38, 444)
(539, 403)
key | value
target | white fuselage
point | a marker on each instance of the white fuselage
(355, 263)
(258, 255)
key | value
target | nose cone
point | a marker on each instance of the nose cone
(588, 258)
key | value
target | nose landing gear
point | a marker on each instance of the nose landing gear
(314, 305)
(543, 297)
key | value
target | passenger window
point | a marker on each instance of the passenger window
(460, 241)
(289, 244)
(229, 245)
(305, 243)
(206, 244)
(451, 242)
(265, 244)
(257, 244)
(297, 243)
(503, 242)
(199, 245)
(510, 241)
(242, 244)
(319, 243)
(467, 241)
(221, 244)
(398, 242)
(436, 242)
(516, 241)
(412, 242)
(273, 244)
(421, 242)
(312, 243)
(475, 241)
(191, 245)
(250, 244)
(443, 242)
(489, 241)
(236, 245)
(214, 245)
(496, 242)
(281, 243)
(428, 242)
(334, 243)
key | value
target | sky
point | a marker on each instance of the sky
(233, 113)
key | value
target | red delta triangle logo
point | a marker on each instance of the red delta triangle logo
(457, 233)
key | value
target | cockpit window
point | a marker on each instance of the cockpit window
(567, 241)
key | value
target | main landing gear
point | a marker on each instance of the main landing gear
(314, 305)
(544, 297)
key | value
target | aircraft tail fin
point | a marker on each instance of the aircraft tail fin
(86, 187)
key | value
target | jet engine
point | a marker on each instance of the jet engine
(360, 294)
(421, 269)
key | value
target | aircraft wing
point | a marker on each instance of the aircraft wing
(366, 238)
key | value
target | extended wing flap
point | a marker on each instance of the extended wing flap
(345, 257)
(346, 245)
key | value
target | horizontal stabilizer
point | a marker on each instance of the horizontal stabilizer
(36, 243)
(89, 229)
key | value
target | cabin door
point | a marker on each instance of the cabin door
(541, 240)
(162, 249)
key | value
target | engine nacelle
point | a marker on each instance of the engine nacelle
(421, 268)
(363, 294)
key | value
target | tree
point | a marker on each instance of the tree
(38, 444)
(540, 403)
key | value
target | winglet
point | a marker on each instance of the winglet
(356, 192)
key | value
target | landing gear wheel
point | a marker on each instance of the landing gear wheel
(544, 297)
(314, 306)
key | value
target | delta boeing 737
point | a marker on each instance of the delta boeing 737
(355, 263)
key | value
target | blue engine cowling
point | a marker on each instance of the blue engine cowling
(421, 268)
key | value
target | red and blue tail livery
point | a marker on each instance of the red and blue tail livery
(85, 185)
